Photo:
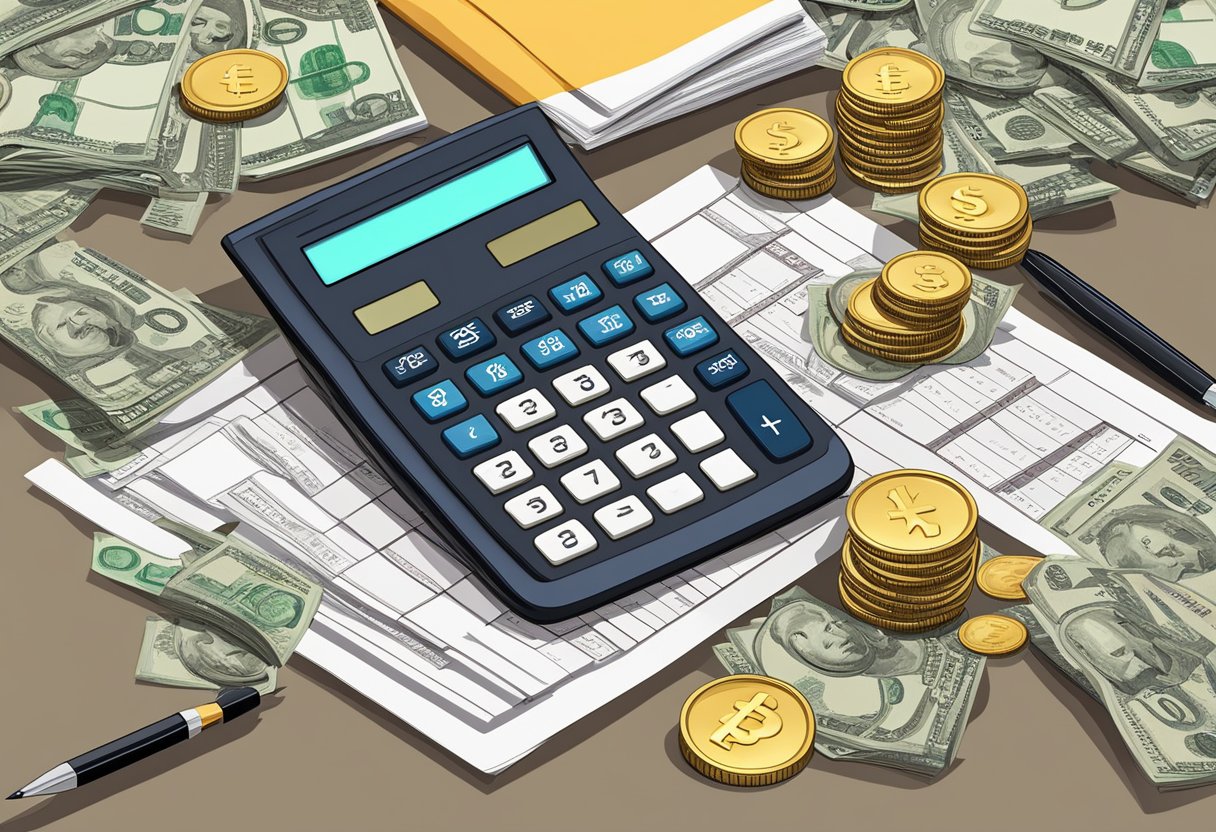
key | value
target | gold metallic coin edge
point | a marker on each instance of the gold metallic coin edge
(792, 194)
(732, 775)
(793, 178)
(900, 602)
(890, 187)
(928, 339)
(911, 119)
(1017, 190)
(931, 623)
(914, 317)
(964, 238)
(192, 102)
(929, 592)
(934, 68)
(974, 647)
(893, 162)
(900, 348)
(1002, 247)
(917, 108)
(904, 358)
(864, 488)
(903, 613)
(947, 564)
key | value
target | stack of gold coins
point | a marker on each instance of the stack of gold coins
(909, 557)
(982, 219)
(912, 312)
(889, 113)
(787, 153)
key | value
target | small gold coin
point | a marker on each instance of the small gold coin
(903, 626)
(896, 186)
(889, 78)
(897, 351)
(992, 635)
(911, 512)
(747, 730)
(233, 85)
(1002, 576)
(975, 204)
(964, 248)
(796, 193)
(783, 136)
(927, 279)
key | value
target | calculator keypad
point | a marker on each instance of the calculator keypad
(521, 315)
(668, 395)
(698, 432)
(636, 361)
(494, 376)
(533, 507)
(576, 294)
(590, 481)
(645, 456)
(470, 437)
(610, 420)
(605, 327)
(676, 493)
(569, 540)
(582, 385)
(558, 446)
(525, 410)
(440, 401)
(410, 366)
(503, 472)
(467, 339)
(624, 517)
(549, 350)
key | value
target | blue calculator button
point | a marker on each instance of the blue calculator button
(768, 421)
(691, 336)
(627, 268)
(440, 402)
(659, 303)
(469, 338)
(575, 294)
(498, 373)
(521, 315)
(606, 327)
(721, 370)
(410, 365)
(549, 350)
(470, 437)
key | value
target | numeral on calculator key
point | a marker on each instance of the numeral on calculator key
(581, 385)
(525, 410)
(561, 543)
(641, 359)
(533, 507)
(612, 419)
(590, 481)
(503, 472)
(558, 446)
(645, 456)
(624, 517)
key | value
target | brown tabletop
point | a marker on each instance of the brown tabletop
(1037, 753)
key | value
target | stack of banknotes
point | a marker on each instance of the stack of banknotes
(88, 99)
(1038, 89)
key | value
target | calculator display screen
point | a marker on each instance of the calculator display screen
(429, 214)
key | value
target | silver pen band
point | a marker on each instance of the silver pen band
(1209, 398)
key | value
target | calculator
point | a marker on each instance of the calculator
(531, 374)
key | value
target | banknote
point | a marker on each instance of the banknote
(1194, 180)
(1180, 122)
(982, 61)
(901, 702)
(118, 560)
(1184, 53)
(1111, 35)
(30, 218)
(868, 5)
(186, 654)
(23, 22)
(177, 215)
(1004, 128)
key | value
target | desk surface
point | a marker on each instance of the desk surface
(1037, 751)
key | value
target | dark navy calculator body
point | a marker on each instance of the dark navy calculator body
(532, 375)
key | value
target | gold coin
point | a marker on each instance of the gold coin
(922, 563)
(907, 593)
(914, 316)
(905, 603)
(898, 577)
(233, 85)
(887, 130)
(890, 186)
(1002, 576)
(792, 176)
(896, 625)
(795, 194)
(974, 204)
(889, 78)
(926, 280)
(783, 136)
(861, 308)
(747, 730)
(1004, 246)
(893, 345)
(887, 354)
(993, 635)
(911, 512)
(863, 109)
(970, 242)
(895, 163)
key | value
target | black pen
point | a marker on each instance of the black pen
(1114, 321)
(171, 730)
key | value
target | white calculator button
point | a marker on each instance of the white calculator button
(557, 446)
(581, 385)
(525, 410)
(534, 506)
(676, 493)
(726, 470)
(668, 395)
(612, 419)
(698, 432)
(561, 543)
(595, 479)
(503, 472)
(636, 361)
(647, 455)
(623, 517)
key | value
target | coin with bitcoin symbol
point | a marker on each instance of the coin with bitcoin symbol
(747, 730)
(911, 513)
(993, 635)
(1002, 576)
(233, 85)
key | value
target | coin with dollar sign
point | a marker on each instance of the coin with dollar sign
(992, 635)
(233, 85)
(747, 730)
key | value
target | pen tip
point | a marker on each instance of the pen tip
(15, 795)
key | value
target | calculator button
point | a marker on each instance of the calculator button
(469, 338)
(612, 419)
(565, 542)
(533, 507)
(440, 402)
(581, 385)
(659, 303)
(605, 327)
(549, 350)
(691, 336)
(721, 370)
(698, 432)
(587, 482)
(494, 376)
(726, 470)
(668, 395)
(410, 365)
(557, 446)
(676, 493)
(522, 315)
(525, 410)
(624, 517)
(628, 268)
(641, 359)
(575, 294)
(769, 421)
(503, 471)
(645, 456)
(471, 436)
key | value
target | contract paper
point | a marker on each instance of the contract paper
(407, 626)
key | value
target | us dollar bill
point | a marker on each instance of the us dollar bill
(1184, 53)
(900, 702)
(23, 22)
(186, 654)
(30, 218)
(867, 5)
(1181, 122)
(1004, 128)
(982, 61)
